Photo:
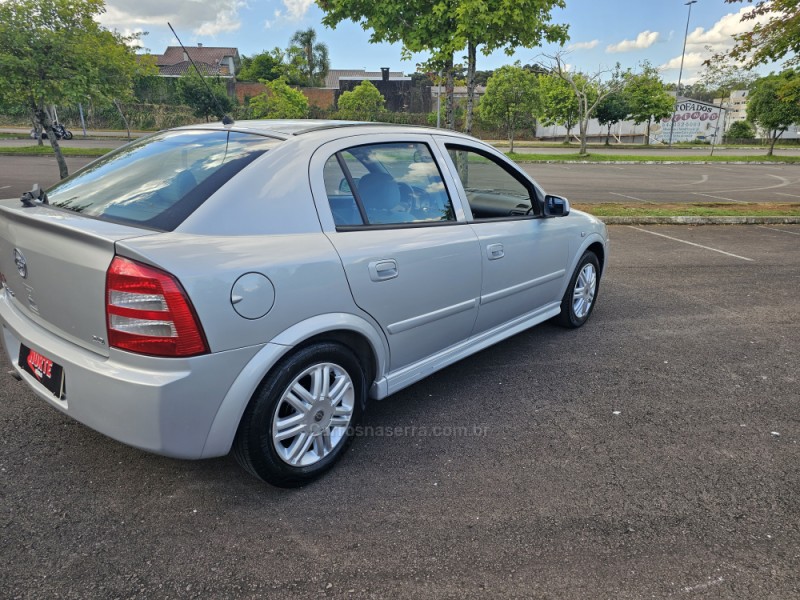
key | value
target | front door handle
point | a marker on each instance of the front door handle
(381, 270)
(495, 251)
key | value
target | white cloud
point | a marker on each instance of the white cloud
(720, 35)
(584, 45)
(693, 60)
(200, 17)
(702, 44)
(642, 41)
(295, 11)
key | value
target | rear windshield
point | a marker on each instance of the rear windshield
(157, 182)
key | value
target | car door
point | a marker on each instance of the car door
(411, 260)
(523, 255)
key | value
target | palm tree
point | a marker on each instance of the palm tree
(312, 55)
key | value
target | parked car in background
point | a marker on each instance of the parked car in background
(253, 286)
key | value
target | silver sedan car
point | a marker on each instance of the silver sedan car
(250, 287)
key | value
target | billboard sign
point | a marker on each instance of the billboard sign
(692, 121)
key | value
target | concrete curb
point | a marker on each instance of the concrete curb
(700, 220)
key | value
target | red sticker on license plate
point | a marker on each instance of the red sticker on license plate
(48, 373)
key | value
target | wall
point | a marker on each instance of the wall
(321, 97)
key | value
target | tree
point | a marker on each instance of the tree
(311, 56)
(507, 24)
(777, 38)
(769, 109)
(194, 93)
(55, 52)
(721, 78)
(444, 27)
(589, 90)
(420, 25)
(511, 99)
(559, 106)
(741, 130)
(279, 102)
(267, 65)
(611, 110)
(364, 103)
(647, 97)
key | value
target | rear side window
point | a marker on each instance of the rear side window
(159, 181)
(386, 184)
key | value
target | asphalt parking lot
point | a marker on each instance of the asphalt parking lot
(581, 183)
(654, 184)
(651, 454)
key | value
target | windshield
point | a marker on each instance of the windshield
(159, 181)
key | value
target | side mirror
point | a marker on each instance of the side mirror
(344, 187)
(555, 206)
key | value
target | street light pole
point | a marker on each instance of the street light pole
(680, 73)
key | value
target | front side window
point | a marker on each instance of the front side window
(386, 184)
(158, 181)
(493, 191)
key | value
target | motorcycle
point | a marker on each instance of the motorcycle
(60, 131)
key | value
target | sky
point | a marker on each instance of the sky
(602, 32)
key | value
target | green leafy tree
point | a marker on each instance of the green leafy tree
(419, 25)
(443, 27)
(611, 110)
(559, 106)
(364, 103)
(589, 90)
(310, 56)
(205, 104)
(647, 97)
(279, 102)
(55, 52)
(267, 65)
(770, 109)
(741, 130)
(511, 99)
(507, 24)
(776, 39)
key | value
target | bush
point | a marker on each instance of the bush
(741, 130)
(364, 103)
(279, 102)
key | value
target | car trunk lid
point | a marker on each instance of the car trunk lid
(55, 264)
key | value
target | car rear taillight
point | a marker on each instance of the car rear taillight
(148, 312)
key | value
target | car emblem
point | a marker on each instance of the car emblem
(22, 265)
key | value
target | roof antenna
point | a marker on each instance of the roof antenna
(226, 120)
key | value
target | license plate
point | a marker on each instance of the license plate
(46, 372)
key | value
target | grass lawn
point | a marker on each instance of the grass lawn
(704, 209)
(47, 149)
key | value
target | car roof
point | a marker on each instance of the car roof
(286, 128)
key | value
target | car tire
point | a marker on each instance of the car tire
(300, 421)
(581, 295)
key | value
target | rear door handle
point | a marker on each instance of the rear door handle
(495, 251)
(381, 270)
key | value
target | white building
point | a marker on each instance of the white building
(736, 106)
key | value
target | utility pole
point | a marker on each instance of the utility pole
(680, 73)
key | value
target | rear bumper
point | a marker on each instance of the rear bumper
(164, 406)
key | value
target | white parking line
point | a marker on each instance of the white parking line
(719, 197)
(674, 239)
(781, 230)
(632, 198)
(703, 179)
(5, 187)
